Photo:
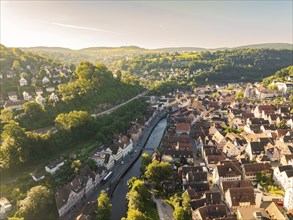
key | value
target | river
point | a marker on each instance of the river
(119, 204)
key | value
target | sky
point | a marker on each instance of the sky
(147, 24)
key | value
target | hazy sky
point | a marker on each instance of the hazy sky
(149, 24)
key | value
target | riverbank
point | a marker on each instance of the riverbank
(119, 204)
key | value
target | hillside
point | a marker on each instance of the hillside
(207, 67)
(104, 54)
(280, 76)
(267, 46)
(27, 77)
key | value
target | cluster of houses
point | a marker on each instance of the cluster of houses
(106, 157)
(259, 91)
(36, 87)
(225, 148)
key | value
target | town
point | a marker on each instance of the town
(146, 110)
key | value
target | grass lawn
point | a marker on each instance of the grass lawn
(275, 190)
(151, 210)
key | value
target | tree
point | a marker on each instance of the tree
(118, 74)
(145, 161)
(33, 110)
(42, 73)
(85, 70)
(104, 206)
(13, 139)
(72, 120)
(273, 87)
(139, 186)
(15, 218)
(239, 95)
(179, 212)
(134, 214)
(135, 201)
(186, 205)
(36, 202)
(75, 165)
(282, 125)
(131, 181)
(156, 172)
(6, 115)
(15, 65)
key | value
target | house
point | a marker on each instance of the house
(26, 96)
(127, 144)
(209, 198)
(253, 149)
(5, 206)
(50, 89)
(210, 212)
(287, 159)
(273, 153)
(34, 80)
(45, 80)
(104, 158)
(240, 197)
(219, 139)
(40, 99)
(38, 176)
(182, 128)
(251, 213)
(192, 177)
(231, 150)
(39, 91)
(284, 87)
(117, 150)
(274, 212)
(212, 156)
(260, 109)
(225, 185)
(182, 171)
(54, 166)
(288, 201)
(53, 97)
(283, 176)
(56, 79)
(250, 170)
(16, 105)
(22, 82)
(227, 171)
(12, 96)
(74, 192)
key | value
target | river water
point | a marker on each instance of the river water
(119, 204)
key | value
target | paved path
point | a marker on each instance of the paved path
(118, 106)
(164, 209)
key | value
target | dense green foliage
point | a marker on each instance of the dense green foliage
(157, 171)
(182, 208)
(18, 59)
(36, 202)
(140, 205)
(280, 75)
(104, 206)
(145, 161)
(206, 67)
(23, 147)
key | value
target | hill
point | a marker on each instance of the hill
(267, 46)
(280, 76)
